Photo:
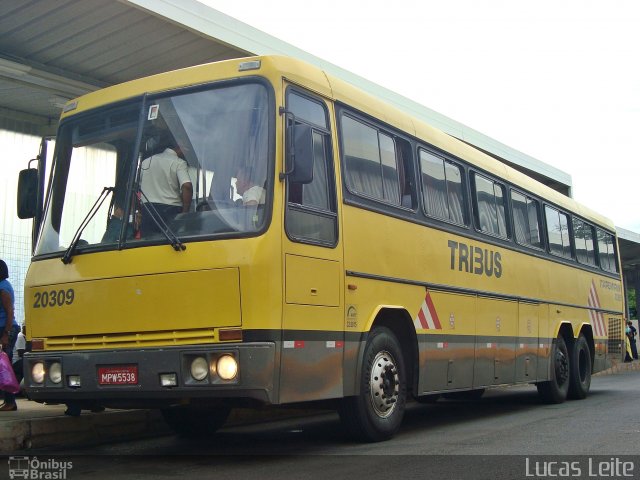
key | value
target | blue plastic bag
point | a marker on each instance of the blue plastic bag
(8, 381)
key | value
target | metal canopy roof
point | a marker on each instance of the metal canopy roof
(55, 50)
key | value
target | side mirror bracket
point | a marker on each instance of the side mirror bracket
(299, 150)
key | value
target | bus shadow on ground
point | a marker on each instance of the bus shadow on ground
(308, 435)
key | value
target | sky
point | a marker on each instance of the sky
(558, 80)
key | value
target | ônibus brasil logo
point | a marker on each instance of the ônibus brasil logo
(35, 469)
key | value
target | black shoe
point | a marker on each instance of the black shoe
(8, 407)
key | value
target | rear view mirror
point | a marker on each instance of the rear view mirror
(27, 193)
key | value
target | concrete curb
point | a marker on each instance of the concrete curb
(621, 367)
(31, 433)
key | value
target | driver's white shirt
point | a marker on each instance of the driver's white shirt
(162, 177)
(254, 194)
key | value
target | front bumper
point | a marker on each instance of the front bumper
(254, 380)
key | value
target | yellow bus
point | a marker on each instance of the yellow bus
(378, 259)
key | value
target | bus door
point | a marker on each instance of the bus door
(313, 319)
(527, 345)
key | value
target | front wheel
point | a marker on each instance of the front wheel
(555, 390)
(580, 371)
(376, 413)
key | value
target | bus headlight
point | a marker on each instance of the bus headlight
(55, 372)
(37, 372)
(227, 367)
(199, 368)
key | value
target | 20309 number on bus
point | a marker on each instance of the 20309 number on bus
(54, 298)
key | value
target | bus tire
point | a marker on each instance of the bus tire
(556, 389)
(580, 378)
(376, 413)
(192, 422)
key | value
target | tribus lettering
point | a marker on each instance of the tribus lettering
(476, 260)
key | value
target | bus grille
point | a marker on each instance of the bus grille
(615, 336)
(131, 340)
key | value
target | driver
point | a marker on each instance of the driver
(166, 184)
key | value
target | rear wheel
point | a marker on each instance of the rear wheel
(556, 389)
(580, 371)
(195, 422)
(376, 413)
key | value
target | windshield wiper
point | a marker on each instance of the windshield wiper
(66, 258)
(175, 242)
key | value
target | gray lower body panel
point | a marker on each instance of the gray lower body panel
(254, 380)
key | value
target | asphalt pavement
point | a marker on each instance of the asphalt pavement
(34, 425)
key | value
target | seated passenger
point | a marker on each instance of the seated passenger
(251, 192)
(114, 225)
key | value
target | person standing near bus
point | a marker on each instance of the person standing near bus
(9, 326)
(165, 183)
(632, 339)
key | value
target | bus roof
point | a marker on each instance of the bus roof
(313, 77)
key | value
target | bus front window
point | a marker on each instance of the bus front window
(217, 141)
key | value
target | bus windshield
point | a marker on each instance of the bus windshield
(194, 164)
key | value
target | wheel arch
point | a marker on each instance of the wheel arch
(399, 322)
(566, 330)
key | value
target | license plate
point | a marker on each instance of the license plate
(118, 375)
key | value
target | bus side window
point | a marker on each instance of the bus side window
(408, 192)
(442, 188)
(526, 220)
(558, 232)
(371, 161)
(490, 208)
(606, 251)
(583, 237)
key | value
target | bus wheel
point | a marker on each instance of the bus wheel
(580, 376)
(556, 389)
(195, 422)
(376, 413)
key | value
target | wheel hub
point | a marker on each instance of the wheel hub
(383, 384)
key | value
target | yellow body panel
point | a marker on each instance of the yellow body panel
(142, 303)
(312, 281)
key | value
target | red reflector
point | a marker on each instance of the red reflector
(230, 334)
(37, 344)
